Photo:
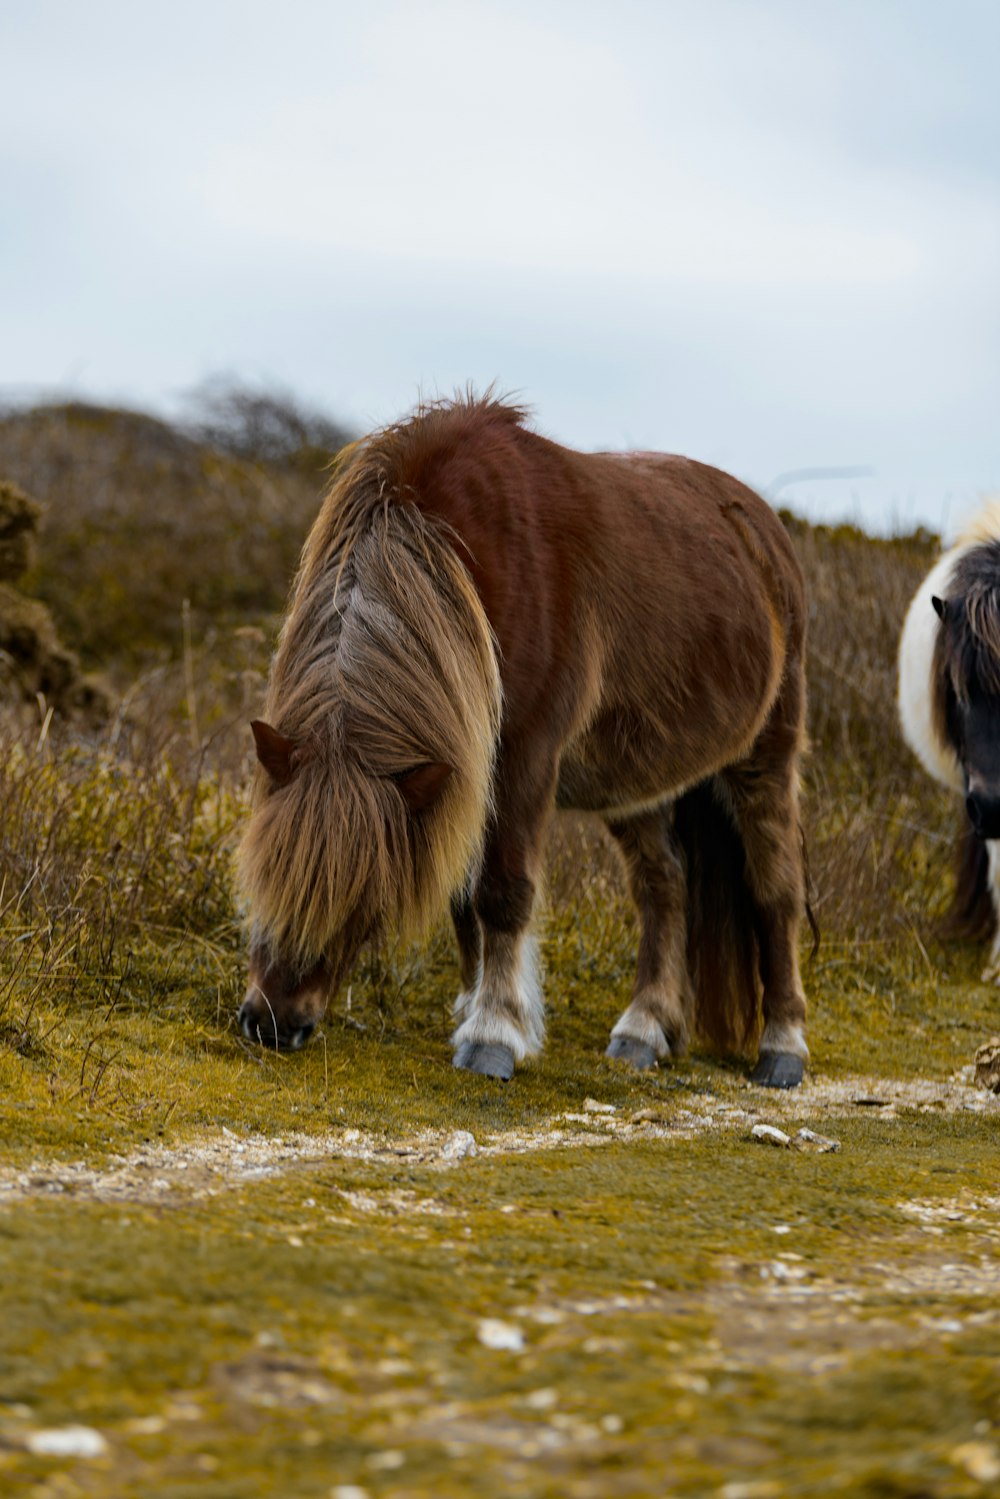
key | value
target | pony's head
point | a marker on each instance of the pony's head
(967, 675)
(327, 864)
(374, 776)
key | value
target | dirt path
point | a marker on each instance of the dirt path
(208, 1164)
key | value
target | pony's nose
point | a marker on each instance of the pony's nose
(984, 814)
(249, 1022)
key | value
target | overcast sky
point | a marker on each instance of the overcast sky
(762, 232)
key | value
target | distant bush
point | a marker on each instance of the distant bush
(270, 427)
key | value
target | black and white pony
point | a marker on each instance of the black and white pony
(949, 708)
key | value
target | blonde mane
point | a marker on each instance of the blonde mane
(386, 661)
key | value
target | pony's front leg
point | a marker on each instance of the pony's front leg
(469, 937)
(991, 973)
(655, 1025)
(504, 1016)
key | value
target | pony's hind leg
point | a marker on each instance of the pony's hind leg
(655, 1025)
(504, 1015)
(763, 797)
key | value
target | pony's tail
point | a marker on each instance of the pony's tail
(722, 953)
(971, 915)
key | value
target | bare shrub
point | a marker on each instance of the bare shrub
(267, 426)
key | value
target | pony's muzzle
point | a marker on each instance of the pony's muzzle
(263, 1029)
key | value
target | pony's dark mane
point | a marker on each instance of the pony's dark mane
(967, 648)
(967, 661)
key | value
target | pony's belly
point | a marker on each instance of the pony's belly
(627, 786)
(626, 763)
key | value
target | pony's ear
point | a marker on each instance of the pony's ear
(940, 606)
(422, 786)
(278, 754)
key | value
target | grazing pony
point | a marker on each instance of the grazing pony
(486, 626)
(949, 707)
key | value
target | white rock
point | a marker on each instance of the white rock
(66, 1441)
(771, 1136)
(542, 1400)
(981, 1461)
(807, 1139)
(458, 1146)
(503, 1336)
(591, 1106)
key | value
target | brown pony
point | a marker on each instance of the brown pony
(485, 626)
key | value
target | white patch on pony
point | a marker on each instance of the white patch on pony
(991, 973)
(465, 999)
(639, 1024)
(916, 660)
(507, 1007)
(782, 1037)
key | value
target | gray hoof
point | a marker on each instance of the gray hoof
(778, 1069)
(636, 1053)
(488, 1057)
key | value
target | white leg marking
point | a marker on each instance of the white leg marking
(507, 1006)
(782, 1037)
(639, 1025)
(991, 973)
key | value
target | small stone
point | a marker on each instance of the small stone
(503, 1336)
(458, 1146)
(756, 1488)
(541, 1400)
(988, 1065)
(66, 1441)
(979, 1459)
(348, 1491)
(146, 1426)
(769, 1135)
(591, 1106)
(807, 1139)
(388, 1461)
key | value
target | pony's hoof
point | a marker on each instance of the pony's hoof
(488, 1057)
(778, 1069)
(636, 1053)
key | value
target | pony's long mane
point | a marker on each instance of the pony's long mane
(386, 661)
(967, 647)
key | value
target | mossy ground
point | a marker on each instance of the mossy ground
(696, 1310)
